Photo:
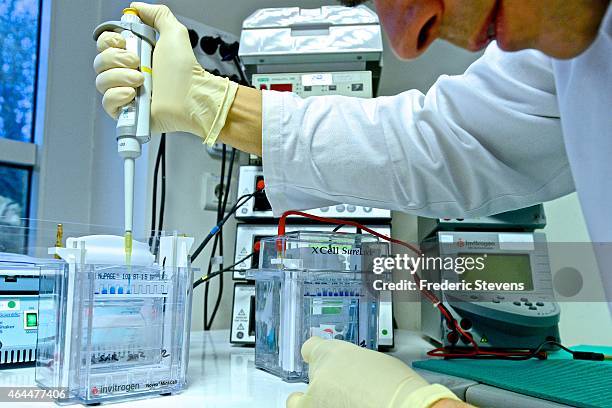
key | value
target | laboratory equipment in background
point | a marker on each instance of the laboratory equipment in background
(243, 314)
(18, 308)
(247, 235)
(331, 50)
(259, 208)
(314, 284)
(111, 332)
(512, 253)
(524, 219)
(242, 328)
(320, 40)
(217, 52)
(347, 83)
(251, 231)
(133, 123)
(214, 49)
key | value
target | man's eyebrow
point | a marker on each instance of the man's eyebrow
(352, 3)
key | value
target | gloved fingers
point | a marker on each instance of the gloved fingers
(158, 16)
(116, 98)
(115, 58)
(309, 346)
(118, 77)
(316, 347)
(299, 400)
(109, 39)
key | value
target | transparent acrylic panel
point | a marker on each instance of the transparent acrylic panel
(313, 284)
(113, 332)
(14, 199)
(19, 26)
(51, 316)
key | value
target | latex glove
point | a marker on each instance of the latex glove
(344, 375)
(185, 97)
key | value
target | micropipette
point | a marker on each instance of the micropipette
(134, 119)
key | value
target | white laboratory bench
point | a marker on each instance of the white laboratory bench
(221, 375)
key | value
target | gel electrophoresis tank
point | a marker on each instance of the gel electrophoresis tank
(113, 332)
(313, 284)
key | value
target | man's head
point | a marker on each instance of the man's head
(559, 28)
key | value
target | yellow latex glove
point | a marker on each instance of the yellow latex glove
(343, 375)
(185, 97)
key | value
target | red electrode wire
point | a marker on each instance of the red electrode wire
(452, 322)
(283, 220)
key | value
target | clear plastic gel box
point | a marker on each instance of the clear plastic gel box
(313, 284)
(111, 332)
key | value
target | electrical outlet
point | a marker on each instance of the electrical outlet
(211, 192)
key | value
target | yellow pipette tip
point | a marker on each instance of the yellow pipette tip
(130, 10)
(128, 247)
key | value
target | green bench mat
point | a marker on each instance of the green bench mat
(579, 383)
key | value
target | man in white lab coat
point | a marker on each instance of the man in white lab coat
(528, 122)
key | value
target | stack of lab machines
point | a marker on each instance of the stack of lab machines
(331, 50)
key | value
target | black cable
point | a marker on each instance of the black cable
(217, 273)
(240, 71)
(337, 228)
(208, 272)
(219, 239)
(217, 235)
(535, 353)
(162, 204)
(207, 278)
(161, 151)
(219, 243)
(224, 207)
(577, 355)
(229, 180)
(154, 199)
(242, 200)
(225, 198)
(221, 183)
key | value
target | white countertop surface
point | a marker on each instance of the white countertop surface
(222, 375)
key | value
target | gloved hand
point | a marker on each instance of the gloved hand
(185, 97)
(345, 375)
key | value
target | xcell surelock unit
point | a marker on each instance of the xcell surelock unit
(314, 284)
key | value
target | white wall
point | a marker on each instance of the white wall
(581, 322)
(66, 117)
(80, 178)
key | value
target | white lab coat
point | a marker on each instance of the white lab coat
(514, 130)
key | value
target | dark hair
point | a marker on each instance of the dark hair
(352, 3)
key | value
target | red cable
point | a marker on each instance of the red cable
(437, 352)
(281, 231)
